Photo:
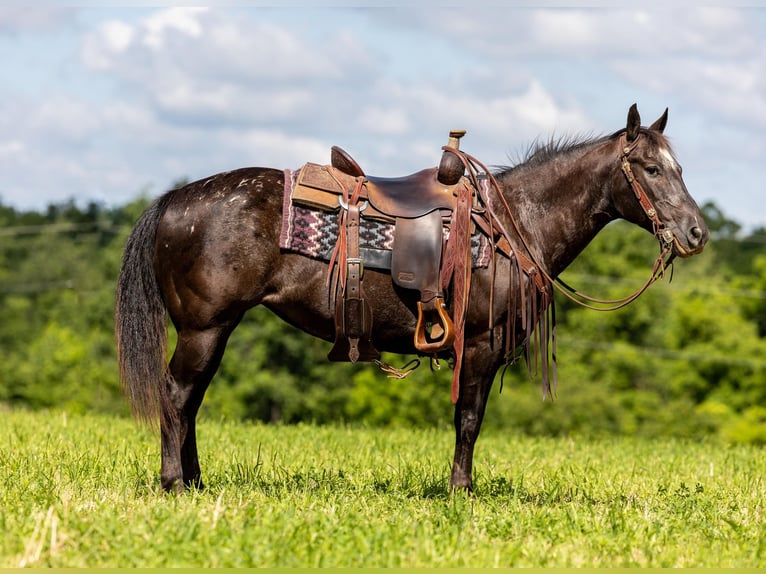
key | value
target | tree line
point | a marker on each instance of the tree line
(687, 359)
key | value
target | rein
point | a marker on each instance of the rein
(663, 235)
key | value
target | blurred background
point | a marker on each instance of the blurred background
(104, 108)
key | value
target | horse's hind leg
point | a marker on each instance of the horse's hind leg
(195, 360)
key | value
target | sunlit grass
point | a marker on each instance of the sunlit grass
(83, 491)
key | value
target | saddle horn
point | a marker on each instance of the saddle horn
(451, 167)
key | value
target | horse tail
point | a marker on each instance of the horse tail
(140, 322)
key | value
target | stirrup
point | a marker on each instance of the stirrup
(442, 331)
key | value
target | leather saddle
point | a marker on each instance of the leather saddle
(420, 206)
(409, 197)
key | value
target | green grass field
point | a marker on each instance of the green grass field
(83, 491)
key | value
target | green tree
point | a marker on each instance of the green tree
(686, 359)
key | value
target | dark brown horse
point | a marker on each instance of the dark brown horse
(206, 253)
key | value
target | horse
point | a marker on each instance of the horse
(205, 253)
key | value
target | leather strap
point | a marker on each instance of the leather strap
(353, 313)
(635, 185)
(354, 267)
(457, 266)
(502, 244)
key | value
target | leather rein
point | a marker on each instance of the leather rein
(664, 236)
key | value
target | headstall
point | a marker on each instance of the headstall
(664, 236)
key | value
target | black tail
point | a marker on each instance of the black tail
(140, 322)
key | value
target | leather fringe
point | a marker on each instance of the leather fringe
(530, 293)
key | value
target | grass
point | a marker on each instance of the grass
(82, 490)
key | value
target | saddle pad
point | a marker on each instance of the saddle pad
(314, 232)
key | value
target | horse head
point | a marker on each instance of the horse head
(652, 192)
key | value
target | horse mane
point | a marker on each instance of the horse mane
(541, 151)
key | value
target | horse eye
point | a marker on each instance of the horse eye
(652, 170)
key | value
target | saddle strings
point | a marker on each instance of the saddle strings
(535, 300)
(336, 270)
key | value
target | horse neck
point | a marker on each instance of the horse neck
(561, 203)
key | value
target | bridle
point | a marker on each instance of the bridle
(663, 234)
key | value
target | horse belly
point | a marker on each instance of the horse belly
(302, 298)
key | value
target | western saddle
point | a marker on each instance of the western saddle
(429, 245)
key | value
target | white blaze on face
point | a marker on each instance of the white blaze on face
(667, 158)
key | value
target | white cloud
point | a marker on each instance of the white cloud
(734, 89)
(109, 41)
(11, 148)
(537, 108)
(220, 46)
(275, 148)
(709, 56)
(522, 114)
(203, 67)
(176, 20)
(384, 120)
(596, 32)
(62, 121)
(16, 18)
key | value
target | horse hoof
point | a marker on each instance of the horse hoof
(175, 486)
(462, 486)
(194, 484)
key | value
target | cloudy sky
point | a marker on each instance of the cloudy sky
(104, 103)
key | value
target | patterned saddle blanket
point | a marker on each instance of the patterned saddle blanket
(314, 233)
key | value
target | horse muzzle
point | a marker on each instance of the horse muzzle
(686, 244)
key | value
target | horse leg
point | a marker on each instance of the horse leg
(480, 363)
(195, 360)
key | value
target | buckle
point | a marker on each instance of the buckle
(344, 205)
(667, 237)
(356, 261)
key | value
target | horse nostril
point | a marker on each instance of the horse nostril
(696, 234)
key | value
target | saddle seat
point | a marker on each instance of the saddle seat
(410, 196)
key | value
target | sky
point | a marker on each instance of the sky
(104, 102)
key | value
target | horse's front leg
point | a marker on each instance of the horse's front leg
(480, 363)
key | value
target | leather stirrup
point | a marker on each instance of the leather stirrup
(442, 328)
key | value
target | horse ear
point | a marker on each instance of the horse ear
(634, 123)
(660, 124)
